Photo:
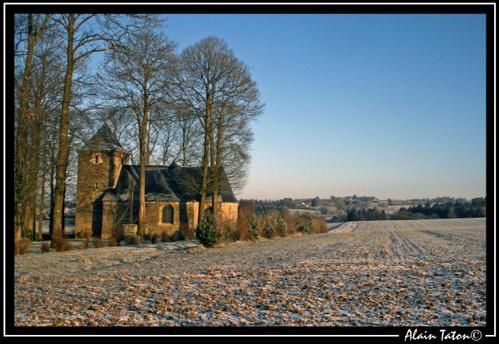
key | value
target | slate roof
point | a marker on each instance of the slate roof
(103, 140)
(166, 183)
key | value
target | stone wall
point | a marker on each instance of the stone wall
(97, 171)
(154, 216)
(193, 211)
(185, 217)
(229, 211)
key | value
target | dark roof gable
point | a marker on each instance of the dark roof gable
(103, 139)
(170, 183)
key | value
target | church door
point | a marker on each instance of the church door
(97, 219)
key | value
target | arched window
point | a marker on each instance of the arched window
(96, 158)
(167, 214)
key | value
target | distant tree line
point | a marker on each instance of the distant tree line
(438, 208)
(370, 214)
(456, 209)
(264, 207)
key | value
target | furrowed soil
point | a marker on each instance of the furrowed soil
(380, 273)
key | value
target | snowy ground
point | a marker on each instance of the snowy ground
(393, 273)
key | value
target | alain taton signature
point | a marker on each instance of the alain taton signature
(443, 335)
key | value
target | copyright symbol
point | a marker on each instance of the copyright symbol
(476, 335)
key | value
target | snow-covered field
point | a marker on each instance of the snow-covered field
(392, 273)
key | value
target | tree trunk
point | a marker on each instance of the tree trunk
(52, 190)
(20, 156)
(35, 30)
(212, 164)
(30, 174)
(218, 162)
(184, 148)
(142, 173)
(34, 165)
(131, 205)
(63, 152)
(27, 216)
(204, 165)
(41, 205)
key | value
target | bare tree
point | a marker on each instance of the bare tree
(179, 138)
(45, 94)
(217, 88)
(199, 73)
(36, 24)
(189, 135)
(137, 70)
(86, 34)
(168, 142)
(237, 105)
(234, 148)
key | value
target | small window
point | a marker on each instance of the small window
(96, 158)
(167, 214)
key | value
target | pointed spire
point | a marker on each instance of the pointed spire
(103, 139)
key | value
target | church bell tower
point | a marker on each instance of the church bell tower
(99, 166)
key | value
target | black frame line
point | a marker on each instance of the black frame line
(10, 9)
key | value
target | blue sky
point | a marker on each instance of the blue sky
(382, 105)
